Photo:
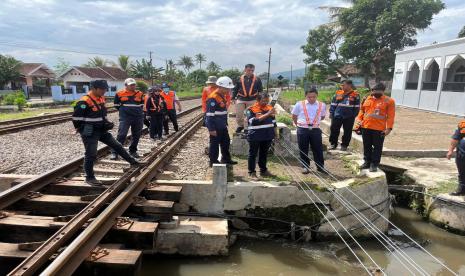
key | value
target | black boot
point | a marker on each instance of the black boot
(373, 168)
(365, 166)
(459, 192)
(239, 129)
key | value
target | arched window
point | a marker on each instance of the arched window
(460, 74)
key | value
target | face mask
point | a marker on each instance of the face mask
(377, 95)
(166, 89)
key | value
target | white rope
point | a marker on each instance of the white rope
(368, 223)
(382, 216)
(337, 220)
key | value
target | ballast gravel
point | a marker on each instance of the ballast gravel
(40, 149)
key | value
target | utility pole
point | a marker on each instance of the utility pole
(269, 65)
(151, 67)
(288, 87)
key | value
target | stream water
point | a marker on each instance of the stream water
(258, 257)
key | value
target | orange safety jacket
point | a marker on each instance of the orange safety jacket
(169, 97)
(205, 93)
(89, 110)
(243, 92)
(377, 113)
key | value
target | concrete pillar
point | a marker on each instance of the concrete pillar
(420, 81)
(441, 80)
(75, 95)
(220, 186)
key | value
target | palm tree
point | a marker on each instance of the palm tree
(199, 58)
(213, 68)
(98, 62)
(186, 62)
(144, 69)
(170, 65)
(124, 63)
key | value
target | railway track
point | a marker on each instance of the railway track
(39, 121)
(55, 223)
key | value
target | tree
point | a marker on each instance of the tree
(170, 65)
(321, 48)
(61, 66)
(213, 68)
(142, 86)
(186, 62)
(317, 73)
(98, 62)
(145, 70)
(234, 74)
(9, 70)
(124, 63)
(199, 77)
(374, 30)
(461, 33)
(199, 58)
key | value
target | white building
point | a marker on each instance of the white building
(76, 81)
(432, 77)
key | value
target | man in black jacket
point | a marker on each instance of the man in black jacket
(90, 120)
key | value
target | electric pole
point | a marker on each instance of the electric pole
(151, 67)
(269, 65)
(288, 87)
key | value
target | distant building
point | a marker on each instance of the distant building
(35, 79)
(432, 77)
(358, 78)
(80, 77)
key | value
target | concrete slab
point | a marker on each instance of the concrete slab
(195, 236)
(447, 212)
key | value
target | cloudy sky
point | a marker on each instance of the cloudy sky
(230, 33)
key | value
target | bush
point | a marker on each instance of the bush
(284, 118)
(16, 98)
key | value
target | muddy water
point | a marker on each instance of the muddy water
(252, 257)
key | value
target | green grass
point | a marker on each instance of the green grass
(194, 92)
(444, 187)
(31, 113)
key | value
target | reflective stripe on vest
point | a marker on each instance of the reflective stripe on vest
(86, 119)
(307, 118)
(244, 91)
(132, 105)
(216, 113)
(263, 126)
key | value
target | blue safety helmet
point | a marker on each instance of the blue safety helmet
(165, 85)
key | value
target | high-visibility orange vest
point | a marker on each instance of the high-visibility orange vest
(205, 93)
(243, 92)
(169, 99)
(377, 113)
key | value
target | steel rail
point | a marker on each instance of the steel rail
(19, 191)
(39, 257)
(76, 252)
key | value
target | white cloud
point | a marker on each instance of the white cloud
(231, 33)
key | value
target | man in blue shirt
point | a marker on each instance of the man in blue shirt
(458, 142)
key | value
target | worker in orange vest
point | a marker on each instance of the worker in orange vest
(375, 121)
(211, 86)
(458, 142)
(244, 94)
(171, 100)
(345, 106)
(130, 104)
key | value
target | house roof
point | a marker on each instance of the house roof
(116, 72)
(107, 73)
(29, 69)
(349, 70)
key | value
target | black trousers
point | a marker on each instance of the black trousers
(310, 138)
(90, 145)
(261, 149)
(156, 126)
(347, 124)
(136, 124)
(373, 141)
(221, 140)
(171, 114)
(460, 161)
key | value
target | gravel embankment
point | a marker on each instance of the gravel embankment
(191, 162)
(40, 149)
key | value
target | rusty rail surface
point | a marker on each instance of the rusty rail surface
(41, 256)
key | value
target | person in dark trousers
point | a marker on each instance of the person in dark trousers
(171, 100)
(217, 122)
(155, 107)
(307, 115)
(90, 121)
(261, 132)
(345, 106)
(458, 142)
(130, 104)
(244, 93)
(375, 121)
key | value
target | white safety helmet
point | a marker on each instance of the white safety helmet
(225, 82)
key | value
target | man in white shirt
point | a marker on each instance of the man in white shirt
(307, 115)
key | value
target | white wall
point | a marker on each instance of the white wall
(442, 101)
